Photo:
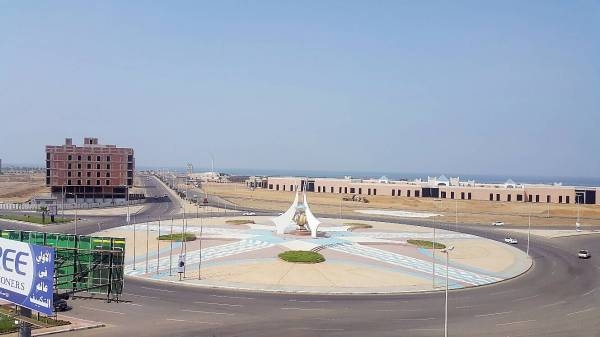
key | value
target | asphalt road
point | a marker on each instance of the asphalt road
(559, 296)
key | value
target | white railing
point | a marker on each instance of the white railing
(59, 206)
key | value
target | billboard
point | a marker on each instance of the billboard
(27, 275)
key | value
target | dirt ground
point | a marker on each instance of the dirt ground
(462, 211)
(20, 187)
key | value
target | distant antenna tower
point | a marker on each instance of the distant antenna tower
(190, 168)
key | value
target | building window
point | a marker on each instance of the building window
(497, 196)
(331, 189)
(369, 191)
(97, 166)
(107, 182)
(443, 194)
(340, 190)
(79, 174)
(291, 187)
(68, 173)
(530, 197)
(270, 186)
(88, 182)
(567, 200)
(346, 190)
(417, 194)
(97, 158)
(509, 197)
(69, 157)
(359, 190)
(393, 193)
(89, 158)
(560, 199)
(469, 196)
(491, 196)
(537, 198)
(519, 197)
(374, 191)
(352, 190)
(79, 157)
(107, 158)
(97, 174)
(277, 187)
(399, 192)
(69, 166)
(108, 166)
(98, 182)
(79, 182)
(548, 199)
(89, 166)
(462, 195)
(79, 166)
(408, 193)
(69, 182)
(451, 195)
(89, 174)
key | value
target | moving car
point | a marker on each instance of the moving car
(248, 213)
(497, 223)
(61, 305)
(510, 240)
(584, 254)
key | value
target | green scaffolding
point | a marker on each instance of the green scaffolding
(82, 263)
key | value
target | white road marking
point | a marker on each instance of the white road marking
(385, 310)
(234, 297)
(109, 311)
(589, 292)
(517, 322)
(581, 311)
(195, 322)
(158, 289)
(525, 298)
(291, 308)
(144, 296)
(494, 314)
(134, 304)
(415, 319)
(208, 312)
(317, 329)
(464, 307)
(553, 304)
(222, 304)
(301, 301)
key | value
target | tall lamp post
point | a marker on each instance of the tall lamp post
(447, 251)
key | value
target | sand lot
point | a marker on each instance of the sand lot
(21, 187)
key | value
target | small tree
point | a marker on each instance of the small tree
(44, 211)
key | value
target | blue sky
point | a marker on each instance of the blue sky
(511, 87)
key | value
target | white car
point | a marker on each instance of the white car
(497, 223)
(248, 213)
(510, 240)
(584, 254)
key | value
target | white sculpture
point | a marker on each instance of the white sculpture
(297, 217)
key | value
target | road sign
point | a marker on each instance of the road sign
(27, 275)
(181, 264)
(52, 210)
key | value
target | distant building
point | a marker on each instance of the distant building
(92, 172)
(438, 187)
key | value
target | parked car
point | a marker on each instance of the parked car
(510, 240)
(497, 223)
(584, 254)
(61, 305)
(248, 213)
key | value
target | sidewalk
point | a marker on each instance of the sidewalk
(76, 325)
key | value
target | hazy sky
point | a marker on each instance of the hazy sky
(402, 86)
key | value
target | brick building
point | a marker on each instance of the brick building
(92, 172)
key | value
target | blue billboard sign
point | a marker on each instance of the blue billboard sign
(27, 275)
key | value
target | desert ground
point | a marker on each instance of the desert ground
(20, 187)
(451, 211)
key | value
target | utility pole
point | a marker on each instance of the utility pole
(447, 251)
(433, 250)
(529, 230)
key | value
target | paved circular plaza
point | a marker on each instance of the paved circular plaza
(363, 260)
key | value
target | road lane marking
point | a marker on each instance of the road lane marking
(109, 311)
(525, 298)
(385, 310)
(195, 322)
(553, 304)
(415, 319)
(292, 308)
(589, 292)
(494, 314)
(144, 296)
(517, 322)
(307, 301)
(134, 304)
(464, 307)
(318, 329)
(157, 289)
(208, 312)
(581, 311)
(502, 292)
(222, 304)
(234, 297)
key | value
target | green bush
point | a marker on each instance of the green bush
(357, 225)
(179, 237)
(239, 221)
(426, 244)
(301, 256)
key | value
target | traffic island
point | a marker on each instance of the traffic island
(177, 237)
(426, 244)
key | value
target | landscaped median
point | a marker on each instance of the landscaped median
(301, 256)
(7, 322)
(239, 221)
(426, 244)
(36, 219)
(357, 225)
(178, 237)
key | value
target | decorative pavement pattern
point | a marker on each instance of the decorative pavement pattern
(339, 240)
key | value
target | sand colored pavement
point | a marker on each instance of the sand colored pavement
(106, 211)
(484, 254)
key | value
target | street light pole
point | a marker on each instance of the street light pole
(447, 251)
(433, 249)
(529, 230)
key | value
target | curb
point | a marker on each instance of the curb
(70, 329)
